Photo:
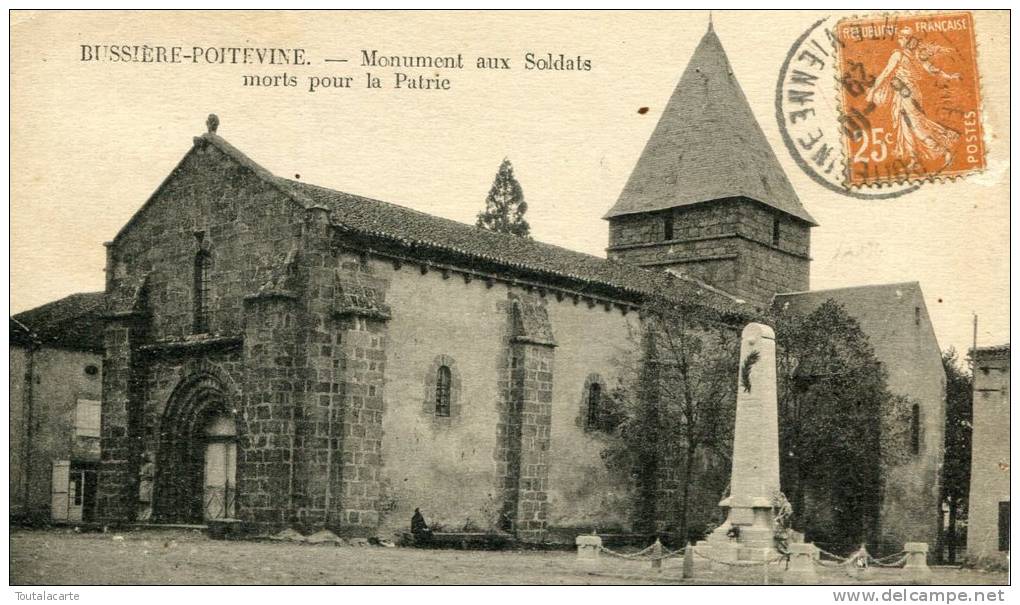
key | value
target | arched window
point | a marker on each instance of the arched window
(915, 429)
(595, 412)
(443, 380)
(203, 265)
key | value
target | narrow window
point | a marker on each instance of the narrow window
(917, 316)
(595, 406)
(667, 225)
(915, 429)
(1004, 526)
(775, 230)
(203, 264)
(443, 391)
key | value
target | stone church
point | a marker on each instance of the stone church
(286, 354)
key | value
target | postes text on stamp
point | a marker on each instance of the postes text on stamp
(910, 98)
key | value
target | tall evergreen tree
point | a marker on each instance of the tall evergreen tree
(956, 465)
(505, 205)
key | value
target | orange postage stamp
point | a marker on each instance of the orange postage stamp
(911, 100)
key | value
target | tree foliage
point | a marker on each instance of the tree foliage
(838, 423)
(831, 392)
(956, 464)
(675, 409)
(505, 205)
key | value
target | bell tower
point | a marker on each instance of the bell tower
(708, 198)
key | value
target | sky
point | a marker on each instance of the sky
(91, 140)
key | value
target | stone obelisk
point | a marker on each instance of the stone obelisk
(754, 479)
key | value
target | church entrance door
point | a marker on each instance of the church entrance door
(196, 464)
(220, 468)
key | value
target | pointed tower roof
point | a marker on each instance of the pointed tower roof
(707, 146)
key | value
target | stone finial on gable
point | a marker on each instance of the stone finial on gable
(212, 123)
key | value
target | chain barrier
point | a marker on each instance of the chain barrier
(740, 563)
(882, 563)
(892, 556)
(644, 555)
(629, 556)
(856, 562)
(861, 559)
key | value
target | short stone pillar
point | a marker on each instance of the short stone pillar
(802, 564)
(688, 572)
(657, 556)
(589, 548)
(916, 568)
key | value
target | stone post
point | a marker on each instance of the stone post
(916, 568)
(589, 548)
(688, 572)
(657, 556)
(802, 564)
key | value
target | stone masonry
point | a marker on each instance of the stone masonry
(728, 243)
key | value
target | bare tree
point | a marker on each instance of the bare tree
(676, 407)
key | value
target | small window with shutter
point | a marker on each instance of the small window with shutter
(87, 418)
(59, 490)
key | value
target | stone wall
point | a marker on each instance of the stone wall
(460, 470)
(18, 364)
(443, 465)
(46, 432)
(248, 226)
(592, 344)
(213, 203)
(727, 243)
(989, 481)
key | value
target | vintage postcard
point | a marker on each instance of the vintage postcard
(678, 297)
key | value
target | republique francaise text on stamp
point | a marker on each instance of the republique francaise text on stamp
(910, 93)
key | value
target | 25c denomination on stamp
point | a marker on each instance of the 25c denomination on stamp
(910, 98)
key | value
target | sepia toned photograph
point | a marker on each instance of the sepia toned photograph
(674, 298)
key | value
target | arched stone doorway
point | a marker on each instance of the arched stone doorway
(196, 474)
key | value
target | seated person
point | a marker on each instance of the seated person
(419, 529)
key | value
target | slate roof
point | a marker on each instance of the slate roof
(706, 146)
(20, 334)
(871, 300)
(886, 312)
(73, 322)
(425, 234)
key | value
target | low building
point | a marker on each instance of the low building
(988, 509)
(56, 353)
(895, 319)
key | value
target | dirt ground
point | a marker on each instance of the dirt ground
(63, 557)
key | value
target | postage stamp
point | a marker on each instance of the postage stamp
(910, 98)
(810, 119)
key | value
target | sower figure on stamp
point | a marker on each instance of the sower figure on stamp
(899, 86)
